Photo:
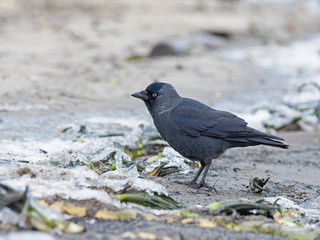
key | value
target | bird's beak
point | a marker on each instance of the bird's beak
(143, 95)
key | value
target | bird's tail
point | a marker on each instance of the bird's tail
(258, 138)
(269, 141)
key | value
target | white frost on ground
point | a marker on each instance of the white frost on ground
(29, 149)
(73, 182)
(79, 183)
(172, 158)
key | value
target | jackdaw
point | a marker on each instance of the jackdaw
(197, 131)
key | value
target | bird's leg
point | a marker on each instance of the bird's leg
(204, 166)
(203, 181)
(193, 183)
(194, 180)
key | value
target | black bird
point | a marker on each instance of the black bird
(197, 131)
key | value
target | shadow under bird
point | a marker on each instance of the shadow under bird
(197, 131)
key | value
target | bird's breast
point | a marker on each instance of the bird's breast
(165, 127)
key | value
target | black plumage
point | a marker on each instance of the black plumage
(197, 131)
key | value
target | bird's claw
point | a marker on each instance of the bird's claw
(210, 188)
(195, 185)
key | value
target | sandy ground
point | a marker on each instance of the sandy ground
(59, 59)
(66, 56)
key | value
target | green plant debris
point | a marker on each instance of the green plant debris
(134, 58)
(23, 161)
(158, 201)
(242, 208)
(136, 153)
(55, 163)
(187, 213)
(261, 217)
(155, 158)
(143, 150)
(65, 129)
(70, 164)
(104, 165)
(262, 225)
(245, 208)
(257, 185)
(162, 171)
(33, 215)
(110, 165)
(303, 109)
(128, 164)
(95, 135)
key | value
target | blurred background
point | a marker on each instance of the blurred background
(239, 55)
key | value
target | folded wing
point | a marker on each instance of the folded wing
(196, 119)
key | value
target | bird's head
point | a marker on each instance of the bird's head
(159, 97)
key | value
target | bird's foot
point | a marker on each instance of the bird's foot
(194, 184)
(210, 188)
